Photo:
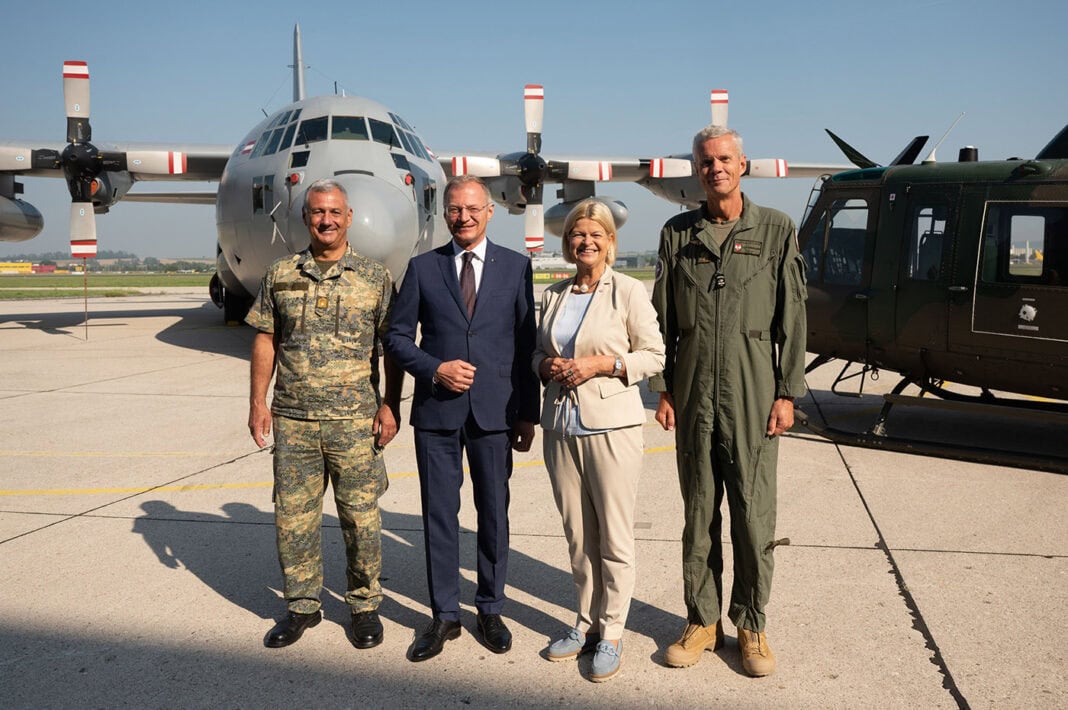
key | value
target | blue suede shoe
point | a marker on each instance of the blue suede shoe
(572, 645)
(606, 661)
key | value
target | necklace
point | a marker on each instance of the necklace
(581, 288)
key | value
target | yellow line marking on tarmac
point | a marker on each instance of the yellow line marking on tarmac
(215, 486)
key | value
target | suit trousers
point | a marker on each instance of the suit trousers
(439, 456)
(595, 483)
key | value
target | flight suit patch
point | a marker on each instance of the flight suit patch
(747, 247)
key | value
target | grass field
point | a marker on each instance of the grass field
(23, 286)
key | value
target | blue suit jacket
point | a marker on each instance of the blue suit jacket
(498, 340)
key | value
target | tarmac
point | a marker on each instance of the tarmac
(139, 565)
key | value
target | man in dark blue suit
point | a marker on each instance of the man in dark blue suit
(474, 390)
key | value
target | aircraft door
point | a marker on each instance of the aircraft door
(838, 245)
(927, 226)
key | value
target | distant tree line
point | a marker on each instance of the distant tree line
(117, 261)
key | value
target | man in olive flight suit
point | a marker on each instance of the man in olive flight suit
(730, 295)
(321, 316)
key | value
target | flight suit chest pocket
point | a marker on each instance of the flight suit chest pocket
(684, 278)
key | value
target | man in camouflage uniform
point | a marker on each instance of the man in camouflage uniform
(321, 314)
(730, 295)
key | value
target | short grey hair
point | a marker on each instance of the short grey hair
(323, 185)
(712, 131)
(461, 180)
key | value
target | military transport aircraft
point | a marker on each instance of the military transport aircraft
(944, 272)
(393, 180)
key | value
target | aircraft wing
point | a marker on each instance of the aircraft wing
(143, 161)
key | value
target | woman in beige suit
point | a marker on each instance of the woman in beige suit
(597, 339)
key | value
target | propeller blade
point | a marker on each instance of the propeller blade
(82, 230)
(533, 111)
(595, 170)
(476, 165)
(718, 99)
(534, 218)
(852, 154)
(76, 100)
(767, 167)
(670, 168)
(12, 158)
(155, 162)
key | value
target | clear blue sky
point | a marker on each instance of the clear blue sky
(620, 80)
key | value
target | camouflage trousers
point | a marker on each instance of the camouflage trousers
(309, 454)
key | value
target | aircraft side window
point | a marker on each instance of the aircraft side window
(257, 195)
(926, 232)
(400, 161)
(407, 143)
(349, 128)
(813, 252)
(844, 261)
(268, 193)
(1025, 244)
(312, 130)
(298, 159)
(383, 132)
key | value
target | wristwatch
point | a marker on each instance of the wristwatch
(617, 367)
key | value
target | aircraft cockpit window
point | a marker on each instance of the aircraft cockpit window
(299, 158)
(383, 132)
(420, 149)
(296, 114)
(835, 253)
(1025, 244)
(400, 122)
(312, 130)
(926, 236)
(350, 128)
(287, 139)
(400, 161)
(407, 143)
(276, 138)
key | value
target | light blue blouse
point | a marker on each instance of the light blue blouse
(568, 421)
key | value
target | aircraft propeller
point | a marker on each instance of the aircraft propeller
(85, 166)
(531, 169)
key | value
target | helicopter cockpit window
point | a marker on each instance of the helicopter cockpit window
(926, 232)
(350, 128)
(312, 130)
(835, 253)
(1026, 244)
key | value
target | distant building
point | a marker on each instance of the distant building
(16, 267)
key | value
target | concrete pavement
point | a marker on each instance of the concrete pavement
(139, 569)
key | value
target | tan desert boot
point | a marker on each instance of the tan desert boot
(757, 658)
(695, 640)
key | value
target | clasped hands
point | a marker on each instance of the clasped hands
(569, 372)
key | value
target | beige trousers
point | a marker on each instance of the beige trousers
(595, 483)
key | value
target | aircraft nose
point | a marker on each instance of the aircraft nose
(384, 225)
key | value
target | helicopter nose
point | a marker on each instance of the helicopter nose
(383, 220)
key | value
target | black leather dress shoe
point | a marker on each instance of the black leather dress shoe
(495, 634)
(366, 629)
(290, 629)
(432, 640)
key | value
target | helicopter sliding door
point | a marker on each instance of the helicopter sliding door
(838, 245)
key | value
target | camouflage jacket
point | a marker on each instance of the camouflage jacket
(328, 329)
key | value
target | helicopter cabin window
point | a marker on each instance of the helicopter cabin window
(312, 130)
(835, 253)
(1025, 244)
(926, 231)
(383, 133)
(349, 128)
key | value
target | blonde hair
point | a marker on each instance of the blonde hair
(593, 209)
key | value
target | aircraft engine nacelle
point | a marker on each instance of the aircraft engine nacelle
(19, 220)
(109, 188)
(507, 192)
(555, 215)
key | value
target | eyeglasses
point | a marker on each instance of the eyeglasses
(473, 210)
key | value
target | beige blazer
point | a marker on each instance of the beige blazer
(620, 321)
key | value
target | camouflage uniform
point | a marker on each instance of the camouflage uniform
(733, 347)
(327, 331)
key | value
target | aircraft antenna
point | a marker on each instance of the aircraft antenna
(298, 65)
(931, 158)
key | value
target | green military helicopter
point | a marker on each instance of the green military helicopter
(952, 272)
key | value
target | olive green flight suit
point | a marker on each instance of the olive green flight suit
(328, 329)
(733, 321)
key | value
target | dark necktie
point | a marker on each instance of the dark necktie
(467, 283)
